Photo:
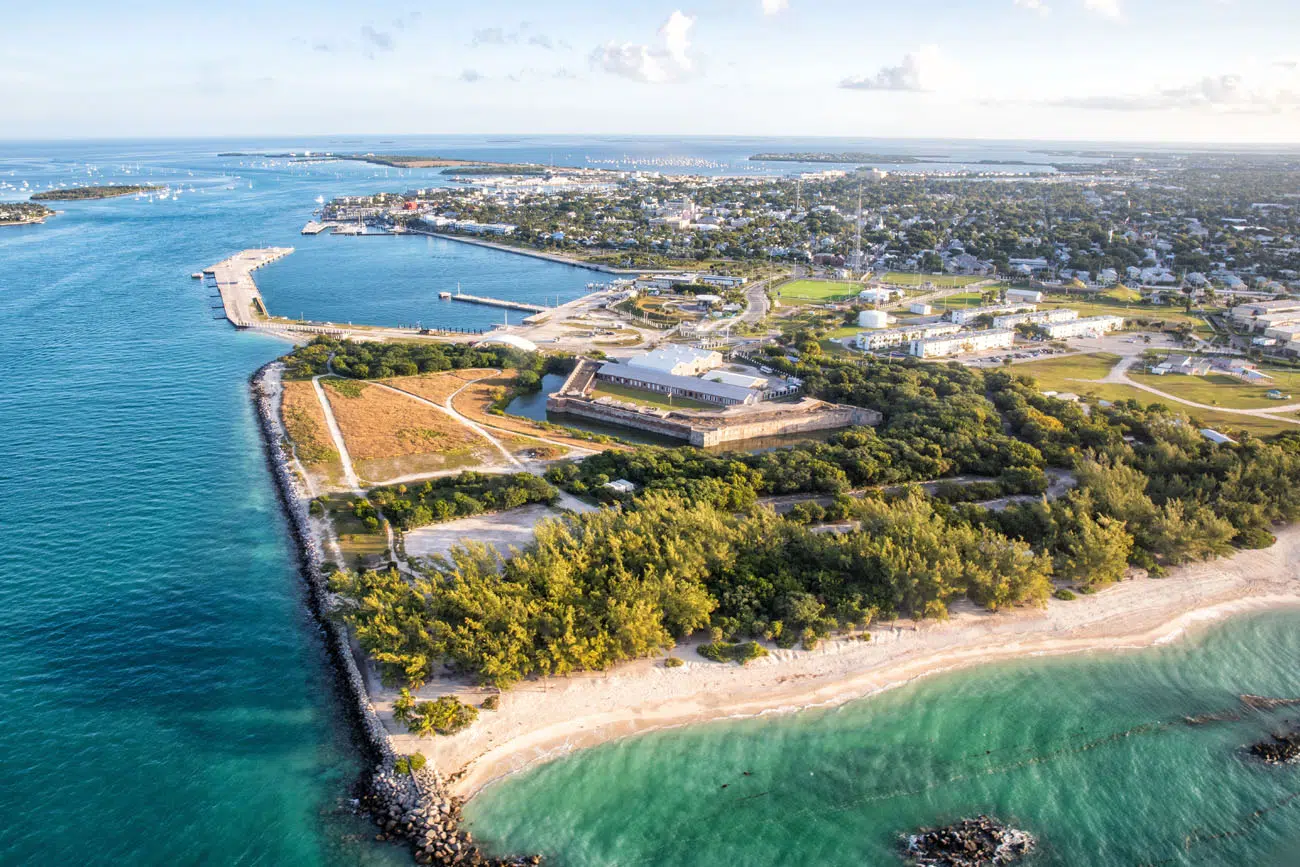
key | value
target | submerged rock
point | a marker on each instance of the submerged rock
(977, 842)
(1278, 749)
(1259, 702)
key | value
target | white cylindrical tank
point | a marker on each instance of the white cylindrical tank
(873, 319)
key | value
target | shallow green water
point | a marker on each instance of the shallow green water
(1090, 753)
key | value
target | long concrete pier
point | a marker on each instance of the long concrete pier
(240, 297)
(494, 302)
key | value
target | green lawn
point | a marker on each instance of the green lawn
(942, 281)
(647, 398)
(361, 546)
(1060, 374)
(818, 291)
(962, 299)
(1227, 391)
(846, 331)
(1100, 305)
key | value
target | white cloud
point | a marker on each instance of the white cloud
(771, 7)
(1229, 94)
(669, 60)
(469, 76)
(1034, 6)
(1104, 8)
(923, 70)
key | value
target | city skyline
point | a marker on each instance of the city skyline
(1112, 70)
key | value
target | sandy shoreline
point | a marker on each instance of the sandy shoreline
(541, 720)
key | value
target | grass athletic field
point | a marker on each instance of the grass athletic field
(818, 291)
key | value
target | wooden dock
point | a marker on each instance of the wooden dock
(240, 298)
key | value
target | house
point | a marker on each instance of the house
(1217, 438)
(878, 295)
(920, 308)
(621, 486)
(1186, 365)
(1024, 296)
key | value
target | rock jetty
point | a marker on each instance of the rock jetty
(1278, 749)
(415, 808)
(977, 842)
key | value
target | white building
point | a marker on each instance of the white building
(873, 340)
(724, 280)
(873, 319)
(877, 295)
(920, 308)
(677, 360)
(962, 342)
(1089, 326)
(743, 380)
(1042, 317)
(969, 314)
(1025, 296)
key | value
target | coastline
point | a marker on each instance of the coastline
(414, 807)
(543, 720)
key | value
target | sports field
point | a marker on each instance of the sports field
(941, 281)
(818, 291)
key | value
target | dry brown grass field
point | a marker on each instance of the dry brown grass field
(304, 420)
(474, 402)
(390, 435)
(437, 387)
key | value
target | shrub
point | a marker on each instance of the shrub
(410, 764)
(673, 662)
(444, 716)
(723, 651)
(1063, 593)
(492, 702)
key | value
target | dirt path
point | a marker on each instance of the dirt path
(336, 434)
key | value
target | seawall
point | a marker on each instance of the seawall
(536, 254)
(416, 807)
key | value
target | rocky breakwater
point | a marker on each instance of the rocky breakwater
(413, 808)
(416, 808)
(977, 842)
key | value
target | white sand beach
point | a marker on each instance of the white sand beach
(543, 719)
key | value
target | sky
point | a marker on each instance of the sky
(1101, 70)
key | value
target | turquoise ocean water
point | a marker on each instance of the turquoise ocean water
(164, 698)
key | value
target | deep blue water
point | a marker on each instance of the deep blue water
(163, 694)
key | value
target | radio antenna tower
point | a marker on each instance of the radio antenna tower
(857, 235)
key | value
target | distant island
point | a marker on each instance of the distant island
(22, 213)
(495, 169)
(112, 191)
(846, 157)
